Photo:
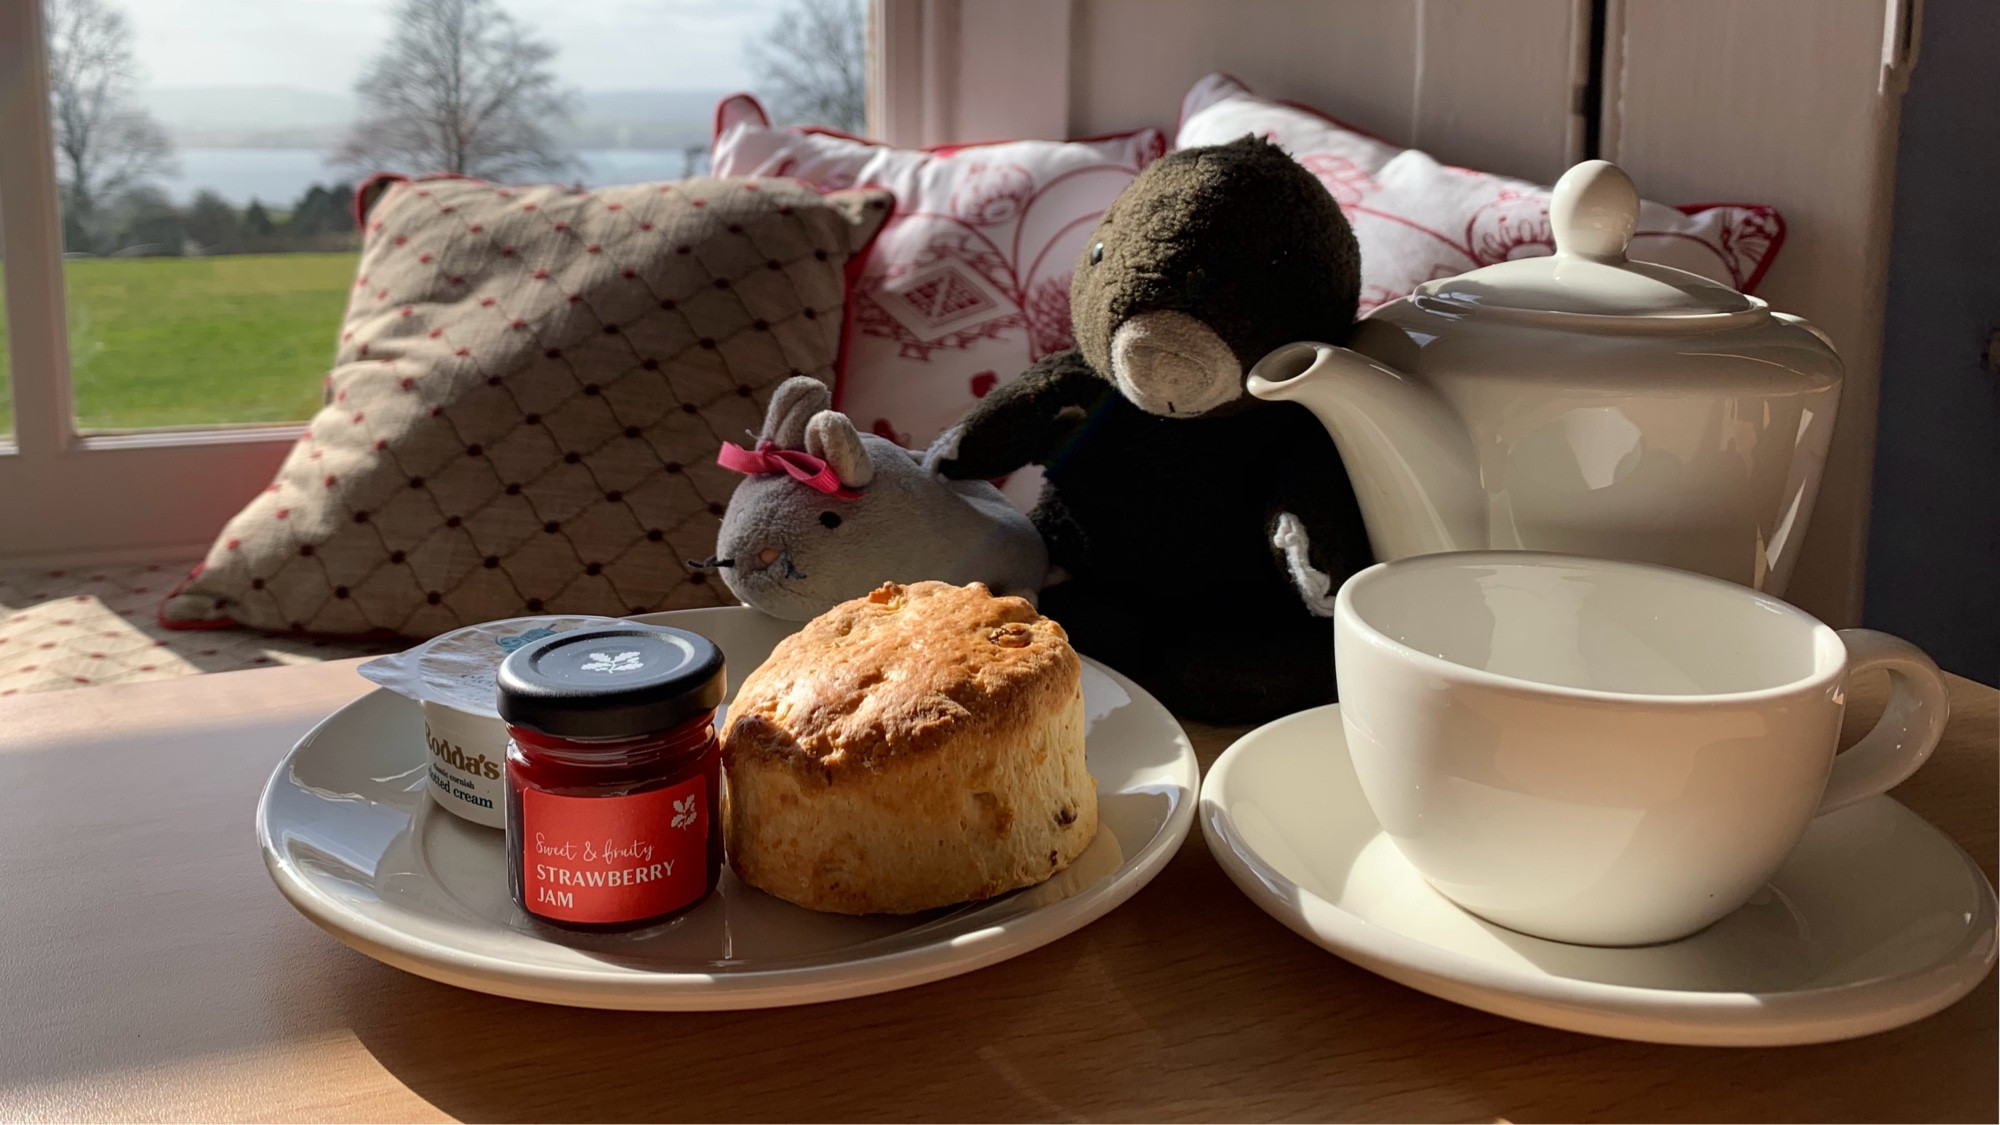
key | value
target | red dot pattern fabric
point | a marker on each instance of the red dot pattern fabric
(530, 389)
(76, 627)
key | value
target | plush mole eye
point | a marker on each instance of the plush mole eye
(1096, 253)
(829, 519)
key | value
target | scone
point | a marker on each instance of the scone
(911, 749)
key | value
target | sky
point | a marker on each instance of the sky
(323, 45)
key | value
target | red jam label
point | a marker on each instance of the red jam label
(614, 859)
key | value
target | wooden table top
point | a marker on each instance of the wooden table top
(148, 969)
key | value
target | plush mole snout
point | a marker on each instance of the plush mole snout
(1170, 363)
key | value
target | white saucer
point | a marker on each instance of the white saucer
(354, 842)
(1877, 920)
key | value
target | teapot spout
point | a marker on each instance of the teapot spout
(1406, 450)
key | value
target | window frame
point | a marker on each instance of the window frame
(74, 498)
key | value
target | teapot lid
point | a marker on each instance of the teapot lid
(1592, 213)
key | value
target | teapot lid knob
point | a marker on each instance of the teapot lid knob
(1594, 211)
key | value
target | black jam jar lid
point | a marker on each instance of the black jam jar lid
(617, 681)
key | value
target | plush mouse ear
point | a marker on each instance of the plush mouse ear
(831, 438)
(793, 404)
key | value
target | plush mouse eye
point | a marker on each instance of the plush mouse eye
(1096, 253)
(829, 520)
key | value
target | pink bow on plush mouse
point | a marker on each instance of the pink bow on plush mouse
(801, 466)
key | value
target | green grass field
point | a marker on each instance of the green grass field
(199, 341)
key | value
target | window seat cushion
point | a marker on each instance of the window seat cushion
(78, 627)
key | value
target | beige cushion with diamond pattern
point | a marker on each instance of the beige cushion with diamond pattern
(530, 390)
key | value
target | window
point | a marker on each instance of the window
(190, 300)
(178, 223)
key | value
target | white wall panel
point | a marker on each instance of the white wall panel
(1013, 70)
(1491, 85)
(1791, 103)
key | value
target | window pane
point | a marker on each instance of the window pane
(207, 152)
(181, 341)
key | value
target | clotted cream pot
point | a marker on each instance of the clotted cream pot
(1581, 403)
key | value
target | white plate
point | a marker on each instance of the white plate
(1877, 920)
(353, 841)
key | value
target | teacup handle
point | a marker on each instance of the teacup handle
(1909, 728)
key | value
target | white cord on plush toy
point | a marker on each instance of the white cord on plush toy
(1314, 586)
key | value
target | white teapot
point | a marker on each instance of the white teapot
(1581, 403)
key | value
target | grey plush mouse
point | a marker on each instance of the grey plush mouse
(828, 514)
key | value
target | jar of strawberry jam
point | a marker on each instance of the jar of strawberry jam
(614, 781)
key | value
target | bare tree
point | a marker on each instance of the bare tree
(460, 88)
(104, 144)
(813, 65)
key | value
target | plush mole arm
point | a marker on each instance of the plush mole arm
(1315, 533)
(1026, 422)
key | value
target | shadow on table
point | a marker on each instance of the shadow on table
(1187, 1003)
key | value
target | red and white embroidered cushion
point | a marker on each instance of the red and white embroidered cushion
(1417, 219)
(527, 400)
(968, 283)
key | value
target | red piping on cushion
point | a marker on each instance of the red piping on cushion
(826, 131)
(1756, 277)
(1098, 139)
(955, 147)
(372, 189)
(160, 611)
(850, 280)
(715, 131)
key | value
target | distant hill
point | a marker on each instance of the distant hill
(287, 117)
(249, 116)
(646, 118)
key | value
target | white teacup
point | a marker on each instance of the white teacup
(1607, 753)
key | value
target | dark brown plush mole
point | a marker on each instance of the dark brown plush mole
(1167, 483)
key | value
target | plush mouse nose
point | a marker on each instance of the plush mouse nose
(1170, 363)
(770, 562)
